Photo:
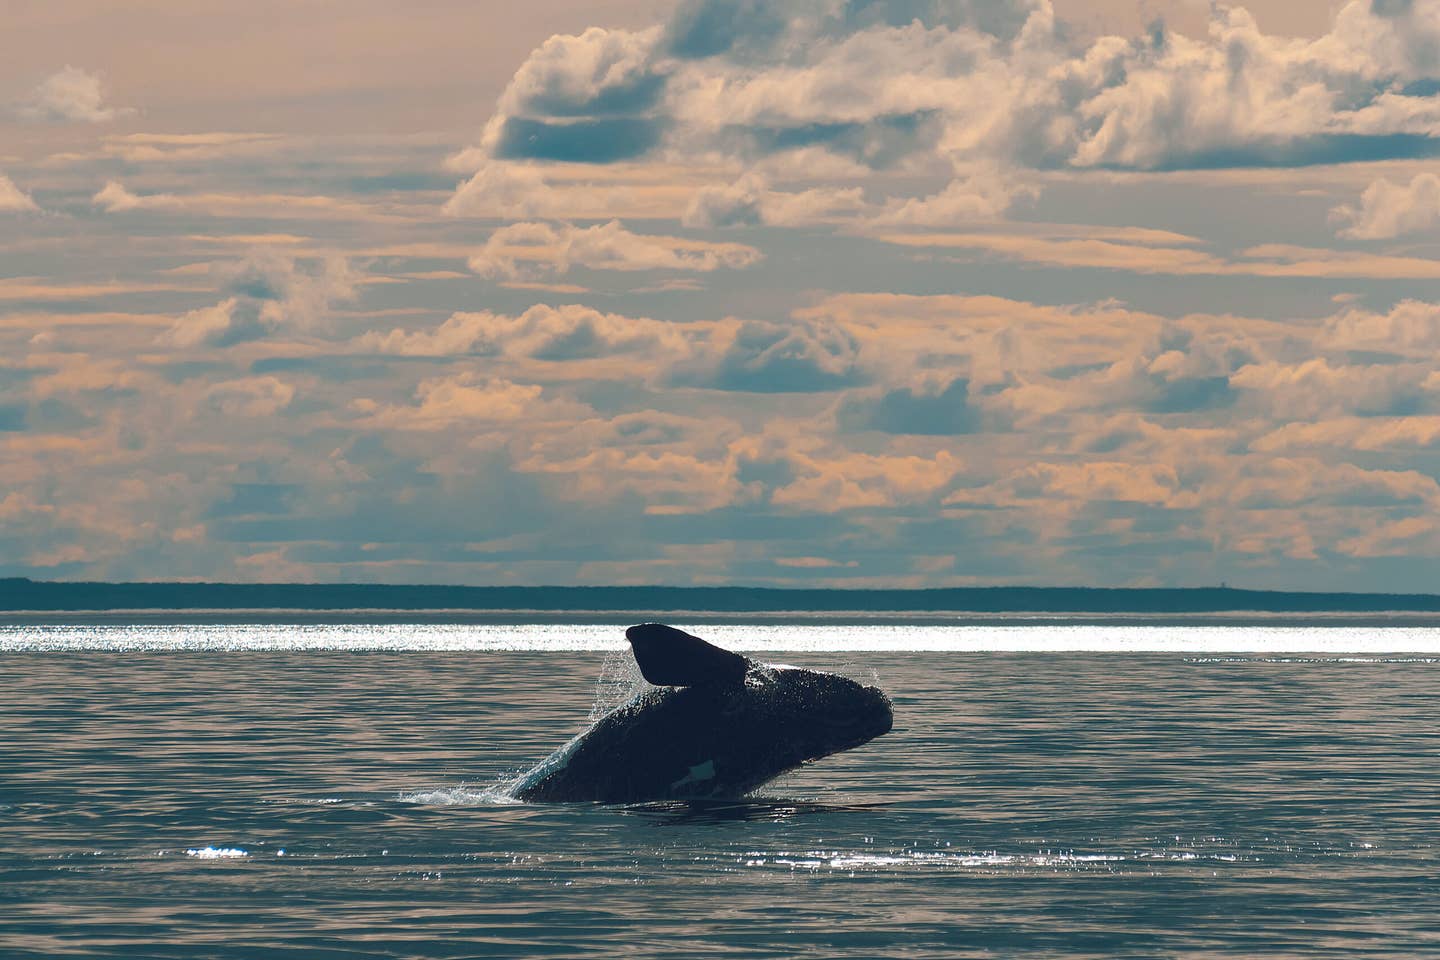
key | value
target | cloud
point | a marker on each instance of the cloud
(794, 470)
(802, 356)
(1354, 433)
(671, 464)
(605, 96)
(611, 247)
(1078, 443)
(458, 400)
(115, 198)
(267, 292)
(1290, 260)
(750, 202)
(1314, 389)
(950, 365)
(607, 246)
(978, 196)
(750, 29)
(945, 88)
(1086, 482)
(828, 480)
(221, 325)
(820, 563)
(1167, 256)
(252, 397)
(668, 483)
(72, 95)
(1410, 329)
(18, 507)
(1048, 434)
(149, 148)
(921, 343)
(504, 190)
(601, 73)
(519, 190)
(938, 409)
(651, 430)
(1239, 97)
(74, 373)
(557, 334)
(13, 199)
(1388, 209)
(32, 288)
(1408, 537)
(750, 356)
(588, 98)
(1283, 481)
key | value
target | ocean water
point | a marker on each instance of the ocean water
(319, 791)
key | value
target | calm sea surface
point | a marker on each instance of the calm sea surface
(318, 791)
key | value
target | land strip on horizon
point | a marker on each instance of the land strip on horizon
(23, 594)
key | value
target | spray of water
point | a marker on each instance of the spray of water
(619, 681)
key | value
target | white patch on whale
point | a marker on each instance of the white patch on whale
(698, 774)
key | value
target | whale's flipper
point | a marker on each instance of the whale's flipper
(673, 658)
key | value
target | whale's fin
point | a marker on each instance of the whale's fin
(673, 658)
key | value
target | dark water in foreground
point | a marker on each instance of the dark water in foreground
(343, 804)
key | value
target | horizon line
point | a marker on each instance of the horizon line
(360, 584)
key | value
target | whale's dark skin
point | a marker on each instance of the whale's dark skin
(734, 725)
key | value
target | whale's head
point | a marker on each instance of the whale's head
(818, 713)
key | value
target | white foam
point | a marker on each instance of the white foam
(926, 860)
(217, 853)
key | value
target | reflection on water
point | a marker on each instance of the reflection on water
(351, 804)
(1338, 636)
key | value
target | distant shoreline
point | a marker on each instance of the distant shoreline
(24, 600)
(620, 618)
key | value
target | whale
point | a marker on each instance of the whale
(712, 724)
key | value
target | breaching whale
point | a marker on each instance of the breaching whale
(715, 724)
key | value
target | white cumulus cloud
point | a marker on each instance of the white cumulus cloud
(945, 88)
(569, 332)
(115, 197)
(268, 292)
(71, 95)
(1391, 209)
(510, 250)
(750, 202)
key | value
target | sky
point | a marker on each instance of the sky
(851, 293)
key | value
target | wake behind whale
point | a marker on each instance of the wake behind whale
(715, 724)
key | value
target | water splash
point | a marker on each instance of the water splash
(463, 795)
(619, 682)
